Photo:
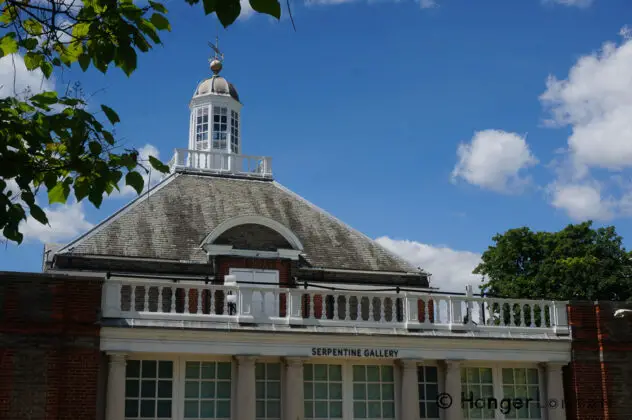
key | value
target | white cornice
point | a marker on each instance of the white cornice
(270, 344)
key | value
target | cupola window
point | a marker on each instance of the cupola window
(220, 127)
(201, 129)
(234, 132)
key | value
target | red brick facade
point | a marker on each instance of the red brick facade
(599, 378)
(50, 363)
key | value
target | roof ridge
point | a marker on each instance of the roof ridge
(343, 224)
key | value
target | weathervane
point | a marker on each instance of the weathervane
(216, 61)
(215, 47)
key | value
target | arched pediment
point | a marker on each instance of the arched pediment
(272, 233)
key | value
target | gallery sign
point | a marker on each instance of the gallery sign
(354, 352)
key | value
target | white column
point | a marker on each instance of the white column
(410, 391)
(115, 399)
(294, 408)
(246, 391)
(554, 386)
(450, 400)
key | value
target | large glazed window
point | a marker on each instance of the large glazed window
(428, 386)
(148, 389)
(201, 129)
(477, 384)
(522, 385)
(220, 128)
(268, 385)
(234, 132)
(207, 390)
(322, 391)
(373, 392)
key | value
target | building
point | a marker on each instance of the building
(223, 295)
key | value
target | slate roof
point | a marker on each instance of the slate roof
(172, 221)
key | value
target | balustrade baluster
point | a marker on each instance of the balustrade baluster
(186, 308)
(146, 300)
(173, 298)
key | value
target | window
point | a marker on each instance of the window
(201, 129)
(477, 387)
(268, 385)
(220, 127)
(207, 390)
(148, 389)
(373, 392)
(428, 386)
(522, 385)
(322, 391)
(234, 132)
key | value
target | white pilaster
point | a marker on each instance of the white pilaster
(246, 390)
(115, 399)
(294, 408)
(410, 391)
(554, 386)
(450, 401)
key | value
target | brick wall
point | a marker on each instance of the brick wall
(598, 380)
(49, 347)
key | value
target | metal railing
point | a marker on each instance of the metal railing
(222, 162)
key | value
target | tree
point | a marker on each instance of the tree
(52, 142)
(576, 263)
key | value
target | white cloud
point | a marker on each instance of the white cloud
(582, 201)
(246, 9)
(64, 222)
(15, 78)
(572, 3)
(493, 160)
(451, 269)
(428, 4)
(595, 101)
(152, 178)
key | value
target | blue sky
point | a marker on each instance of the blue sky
(431, 128)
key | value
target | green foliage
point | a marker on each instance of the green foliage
(578, 262)
(52, 142)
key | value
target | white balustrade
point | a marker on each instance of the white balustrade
(222, 162)
(139, 299)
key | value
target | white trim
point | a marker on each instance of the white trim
(257, 220)
(267, 344)
(291, 254)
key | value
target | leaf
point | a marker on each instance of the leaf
(269, 7)
(38, 214)
(126, 59)
(33, 60)
(209, 6)
(158, 165)
(95, 147)
(44, 98)
(135, 180)
(10, 232)
(81, 187)
(32, 27)
(159, 7)
(59, 193)
(110, 114)
(8, 45)
(81, 30)
(228, 11)
(160, 22)
(84, 61)
(47, 69)
(29, 43)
